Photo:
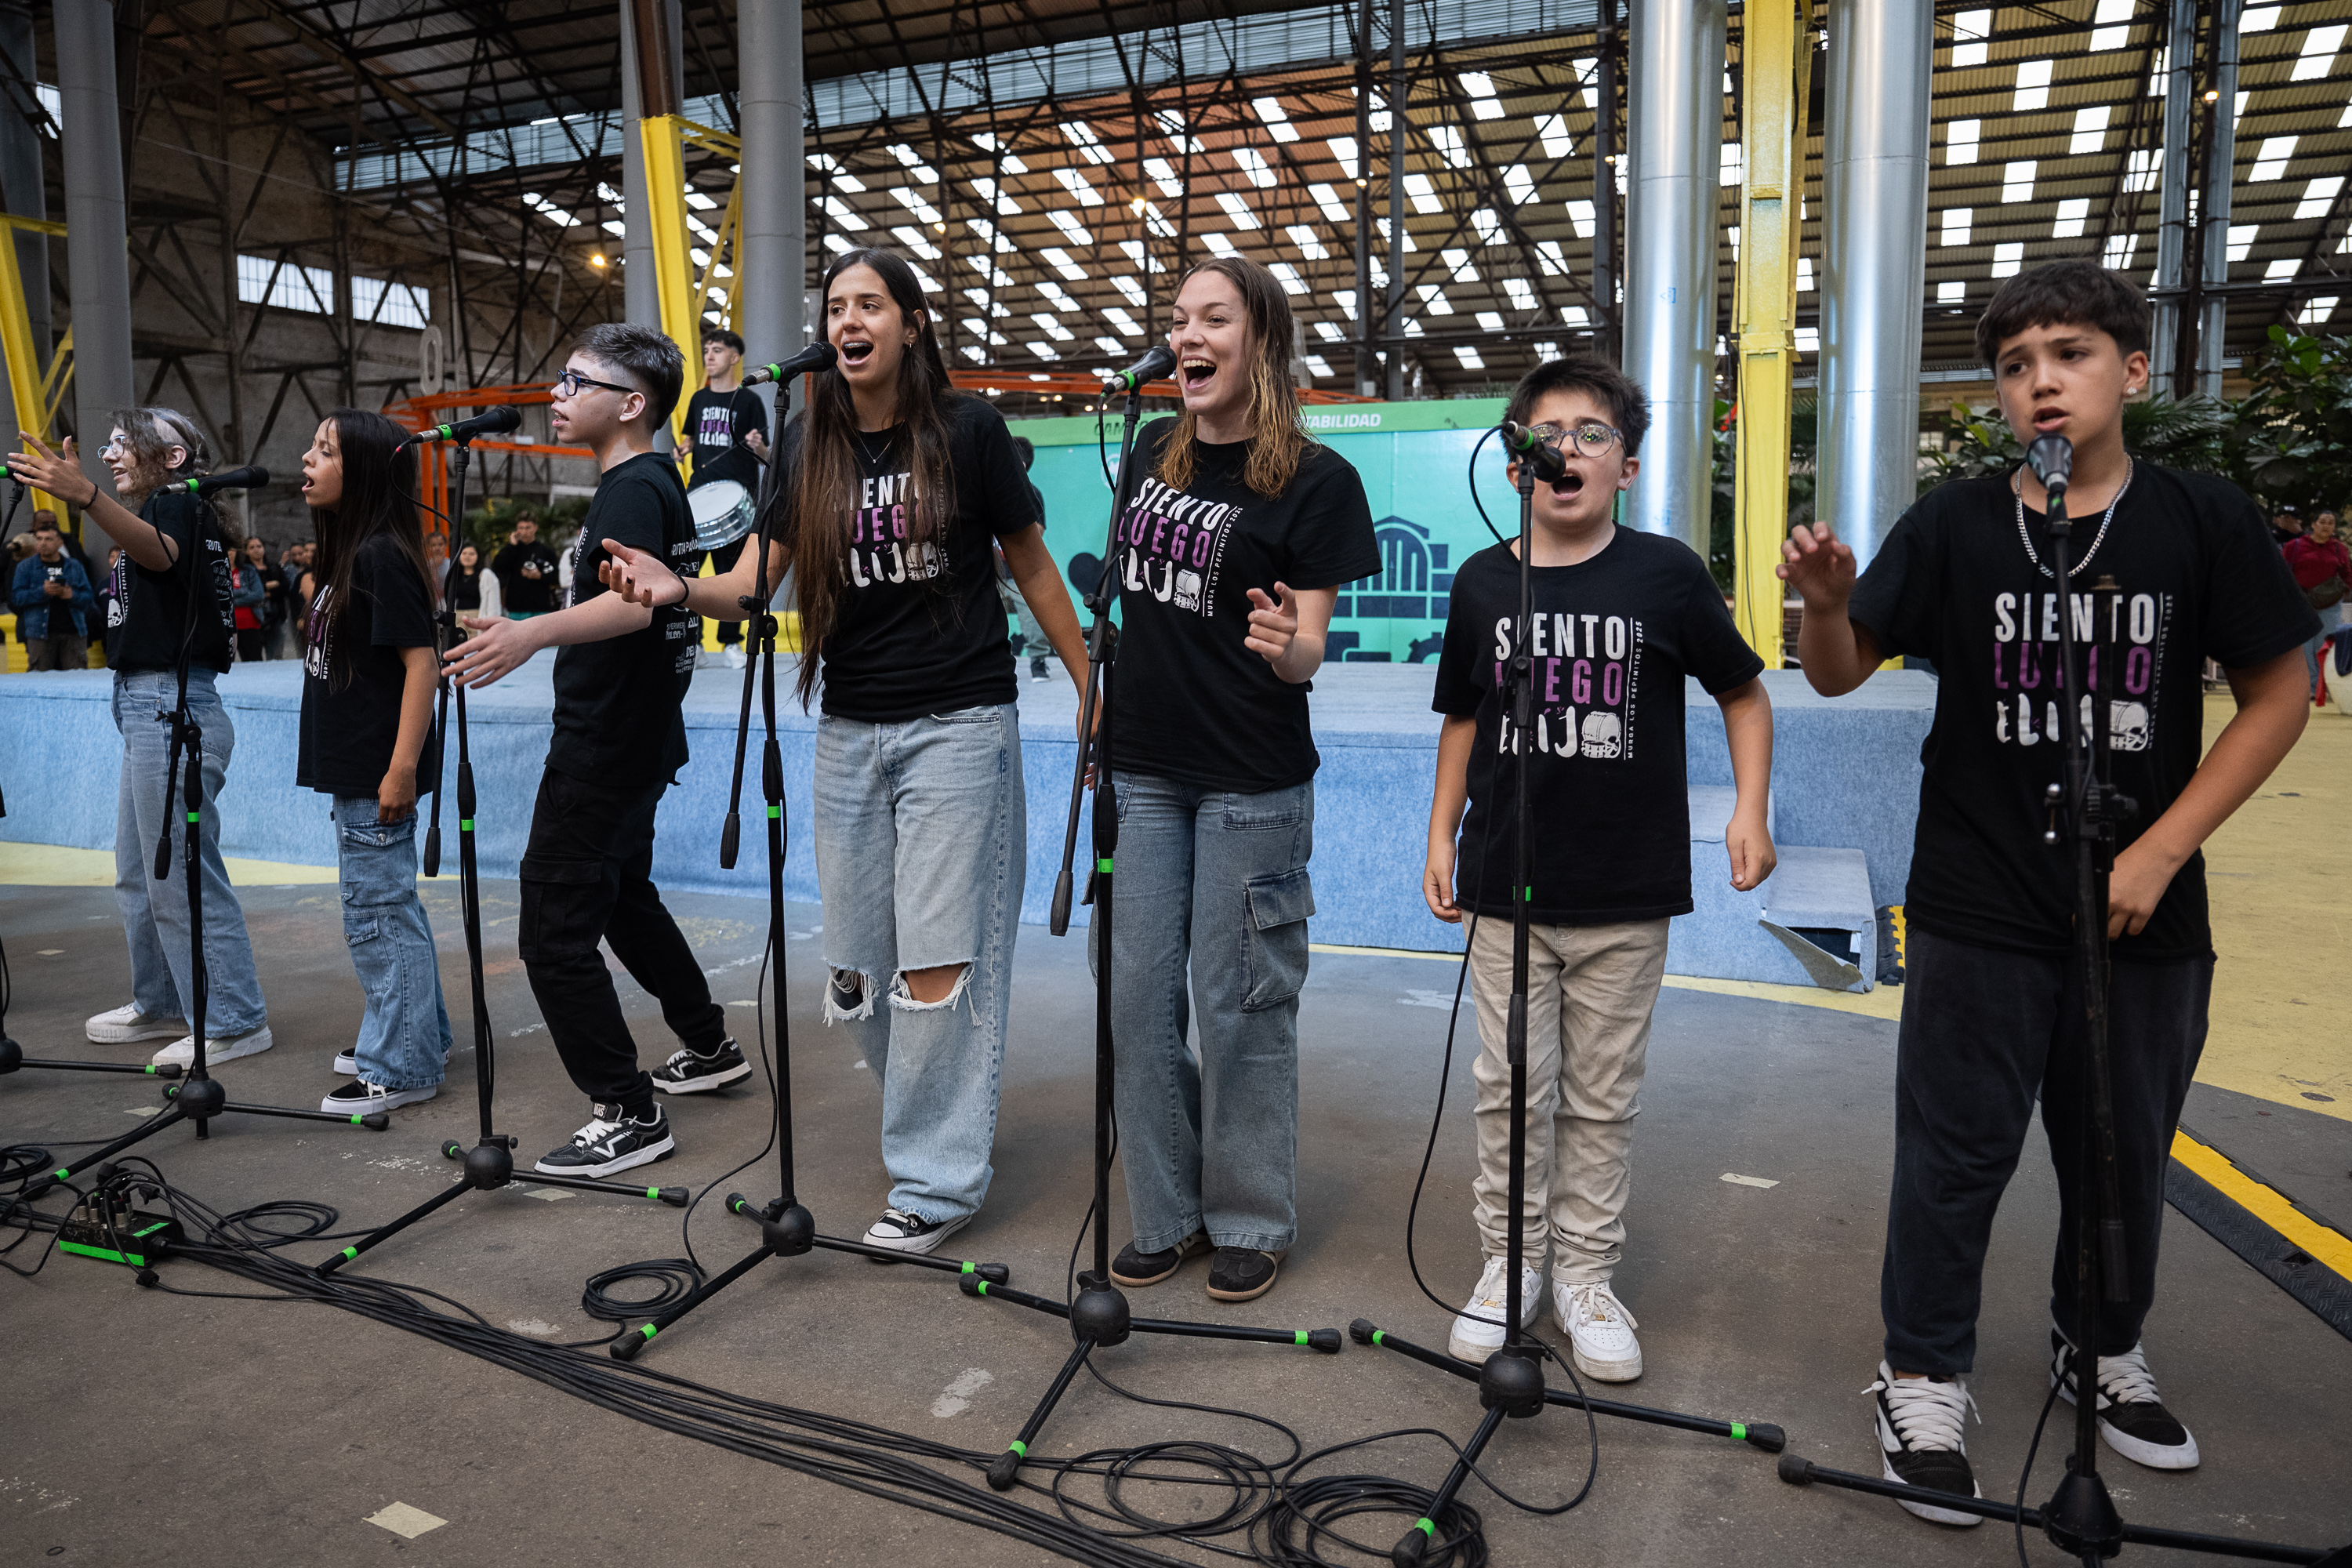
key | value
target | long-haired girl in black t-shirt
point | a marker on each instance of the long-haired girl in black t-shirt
(368, 673)
(888, 499)
(1236, 537)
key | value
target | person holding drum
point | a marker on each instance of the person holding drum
(889, 491)
(729, 426)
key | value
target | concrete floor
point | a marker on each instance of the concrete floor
(150, 1428)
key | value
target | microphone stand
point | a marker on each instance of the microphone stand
(787, 1229)
(200, 1096)
(2080, 1519)
(489, 1165)
(1511, 1381)
(1099, 1318)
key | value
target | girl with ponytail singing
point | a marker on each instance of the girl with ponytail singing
(887, 494)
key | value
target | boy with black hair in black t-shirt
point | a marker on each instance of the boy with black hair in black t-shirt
(621, 674)
(1992, 1010)
(727, 426)
(1619, 619)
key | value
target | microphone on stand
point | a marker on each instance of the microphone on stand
(497, 422)
(1534, 450)
(246, 479)
(1159, 362)
(2051, 459)
(817, 356)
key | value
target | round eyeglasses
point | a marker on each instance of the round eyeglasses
(1590, 440)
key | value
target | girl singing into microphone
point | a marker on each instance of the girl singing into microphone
(887, 494)
(1238, 532)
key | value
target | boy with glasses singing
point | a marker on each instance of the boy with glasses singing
(620, 675)
(1619, 619)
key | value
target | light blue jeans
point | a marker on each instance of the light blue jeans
(921, 852)
(155, 913)
(2317, 648)
(1217, 883)
(403, 1040)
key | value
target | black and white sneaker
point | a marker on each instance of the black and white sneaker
(903, 1232)
(687, 1073)
(1037, 670)
(1921, 1439)
(2132, 1420)
(360, 1098)
(610, 1143)
(1136, 1269)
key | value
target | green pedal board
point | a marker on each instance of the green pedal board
(134, 1237)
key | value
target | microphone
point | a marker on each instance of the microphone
(1159, 362)
(2051, 459)
(497, 422)
(1534, 450)
(817, 356)
(247, 479)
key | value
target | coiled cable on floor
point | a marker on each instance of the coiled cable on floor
(675, 1278)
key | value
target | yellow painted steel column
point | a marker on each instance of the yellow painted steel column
(1776, 36)
(27, 384)
(666, 202)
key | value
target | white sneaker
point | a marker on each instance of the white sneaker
(127, 1023)
(1600, 1331)
(1923, 1441)
(734, 655)
(1478, 1331)
(182, 1052)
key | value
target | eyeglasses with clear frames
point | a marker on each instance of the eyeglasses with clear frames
(1590, 440)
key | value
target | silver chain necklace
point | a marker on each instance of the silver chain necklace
(873, 457)
(2017, 490)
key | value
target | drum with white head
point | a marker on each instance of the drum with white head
(722, 512)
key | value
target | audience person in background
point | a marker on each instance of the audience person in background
(172, 588)
(526, 570)
(276, 598)
(288, 572)
(2323, 569)
(52, 598)
(20, 549)
(2286, 524)
(473, 588)
(1032, 643)
(436, 569)
(249, 597)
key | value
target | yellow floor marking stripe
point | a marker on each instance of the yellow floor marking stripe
(54, 866)
(2266, 1204)
(1886, 1003)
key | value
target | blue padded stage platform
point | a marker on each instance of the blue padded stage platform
(1845, 790)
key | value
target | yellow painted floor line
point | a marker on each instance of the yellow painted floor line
(2266, 1204)
(52, 865)
(1886, 1001)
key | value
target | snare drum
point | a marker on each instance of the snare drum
(722, 512)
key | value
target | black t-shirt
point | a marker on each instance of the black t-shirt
(466, 588)
(617, 718)
(1954, 583)
(1612, 639)
(920, 629)
(145, 620)
(1193, 703)
(530, 596)
(354, 679)
(717, 421)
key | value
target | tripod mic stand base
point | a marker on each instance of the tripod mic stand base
(13, 1056)
(2080, 1519)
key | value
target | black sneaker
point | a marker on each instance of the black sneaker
(1243, 1273)
(2132, 1420)
(1135, 1270)
(687, 1073)
(610, 1143)
(1037, 670)
(360, 1098)
(903, 1232)
(1923, 1441)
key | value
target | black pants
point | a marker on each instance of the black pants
(1983, 1033)
(586, 878)
(722, 560)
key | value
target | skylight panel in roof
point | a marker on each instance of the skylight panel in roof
(2073, 216)
(1383, 225)
(1069, 225)
(1547, 351)
(979, 329)
(1804, 275)
(1081, 135)
(906, 197)
(1522, 293)
(697, 201)
(1343, 153)
(1059, 297)
(1346, 299)
(2259, 19)
(1309, 245)
(1287, 275)
(838, 245)
(1574, 316)
(1075, 181)
(843, 214)
(2281, 270)
(991, 194)
(978, 355)
(1518, 185)
(1549, 259)
(2241, 240)
(2017, 182)
(1051, 328)
(2111, 25)
(1276, 118)
(2119, 252)
(2090, 130)
(2317, 310)
(1059, 260)
(1957, 222)
(1480, 87)
(1448, 140)
(1434, 298)
(1588, 72)
(1172, 125)
(1331, 331)
(1319, 364)
(1237, 210)
(2032, 86)
(1490, 320)
(1960, 142)
(1580, 214)
(1253, 167)
(1423, 194)
(1328, 200)
(2319, 48)
(1732, 162)
(1118, 317)
(915, 241)
(1457, 266)
(1553, 129)
(2141, 168)
(989, 269)
(2270, 164)
(1110, 346)
(1469, 357)
(990, 235)
(1127, 287)
(1969, 31)
(1218, 243)
(549, 210)
(1951, 293)
(1045, 351)
(2318, 196)
(913, 160)
(2008, 258)
(1164, 174)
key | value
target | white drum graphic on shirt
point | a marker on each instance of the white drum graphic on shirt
(1172, 545)
(1586, 670)
(880, 548)
(2028, 676)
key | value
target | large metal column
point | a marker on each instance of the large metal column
(2220, 173)
(1400, 92)
(22, 187)
(1873, 267)
(2172, 203)
(1674, 115)
(97, 267)
(654, 247)
(1607, 339)
(773, 263)
(1776, 52)
(1368, 365)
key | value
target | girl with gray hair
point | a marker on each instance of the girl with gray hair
(170, 589)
